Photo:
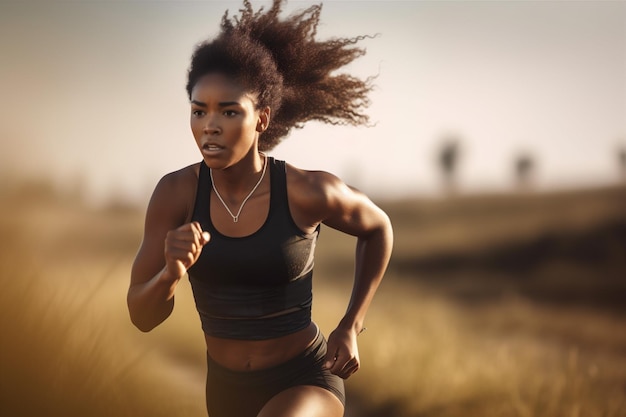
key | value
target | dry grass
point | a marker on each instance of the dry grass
(492, 342)
(430, 357)
(69, 353)
(68, 347)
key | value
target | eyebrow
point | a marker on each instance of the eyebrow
(221, 104)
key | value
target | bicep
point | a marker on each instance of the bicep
(164, 213)
(350, 211)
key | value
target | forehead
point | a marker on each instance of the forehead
(220, 85)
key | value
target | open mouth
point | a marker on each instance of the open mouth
(211, 147)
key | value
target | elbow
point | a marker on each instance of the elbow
(388, 235)
(383, 235)
(379, 235)
(140, 321)
(385, 228)
(139, 318)
(143, 325)
(144, 329)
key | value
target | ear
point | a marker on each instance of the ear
(264, 120)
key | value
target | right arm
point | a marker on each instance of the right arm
(169, 247)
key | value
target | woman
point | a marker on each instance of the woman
(244, 225)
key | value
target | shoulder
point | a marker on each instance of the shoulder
(184, 177)
(312, 185)
(174, 194)
(321, 197)
(315, 193)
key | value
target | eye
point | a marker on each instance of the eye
(197, 113)
(230, 113)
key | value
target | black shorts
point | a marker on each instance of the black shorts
(243, 394)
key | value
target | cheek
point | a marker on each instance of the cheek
(241, 127)
(251, 123)
(196, 126)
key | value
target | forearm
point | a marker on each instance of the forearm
(372, 257)
(151, 302)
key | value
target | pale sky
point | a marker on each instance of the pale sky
(96, 89)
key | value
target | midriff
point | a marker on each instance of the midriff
(252, 355)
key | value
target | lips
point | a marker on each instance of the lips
(212, 147)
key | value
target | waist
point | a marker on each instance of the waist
(268, 327)
(251, 355)
(253, 313)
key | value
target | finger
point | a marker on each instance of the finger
(350, 368)
(346, 375)
(331, 357)
(203, 236)
(182, 255)
(347, 369)
(186, 235)
(339, 362)
(187, 232)
(197, 228)
(182, 245)
(342, 368)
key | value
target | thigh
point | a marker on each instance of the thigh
(303, 401)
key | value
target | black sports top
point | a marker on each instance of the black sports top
(258, 286)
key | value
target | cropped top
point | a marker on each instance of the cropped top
(257, 286)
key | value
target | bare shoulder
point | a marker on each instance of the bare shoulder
(311, 184)
(316, 194)
(174, 195)
(185, 177)
(321, 197)
(313, 188)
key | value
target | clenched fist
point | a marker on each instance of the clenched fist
(342, 356)
(183, 247)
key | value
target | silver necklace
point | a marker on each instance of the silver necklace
(236, 217)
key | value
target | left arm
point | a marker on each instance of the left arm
(357, 215)
(350, 211)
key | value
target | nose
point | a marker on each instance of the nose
(211, 128)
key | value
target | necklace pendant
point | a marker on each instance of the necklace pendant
(243, 203)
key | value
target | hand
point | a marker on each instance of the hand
(183, 247)
(342, 357)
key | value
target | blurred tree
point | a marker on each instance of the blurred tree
(524, 167)
(448, 159)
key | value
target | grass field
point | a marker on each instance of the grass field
(493, 306)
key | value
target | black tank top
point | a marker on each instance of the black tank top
(258, 286)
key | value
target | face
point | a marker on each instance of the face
(225, 121)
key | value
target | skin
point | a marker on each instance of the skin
(226, 125)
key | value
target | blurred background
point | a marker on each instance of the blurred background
(498, 150)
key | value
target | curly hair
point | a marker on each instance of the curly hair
(292, 72)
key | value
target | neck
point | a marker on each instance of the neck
(240, 174)
(236, 181)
